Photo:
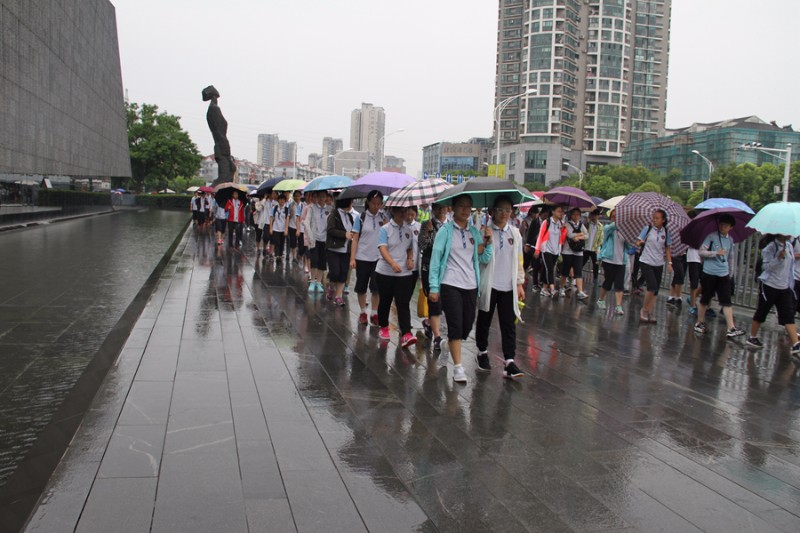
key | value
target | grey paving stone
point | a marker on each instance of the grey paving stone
(147, 404)
(320, 502)
(134, 451)
(119, 505)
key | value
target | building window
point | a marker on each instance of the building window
(535, 159)
(534, 177)
(512, 160)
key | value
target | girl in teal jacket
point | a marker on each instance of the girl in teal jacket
(457, 253)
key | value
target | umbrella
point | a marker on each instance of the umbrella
(385, 182)
(224, 192)
(193, 189)
(719, 203)
(418, 193)
(166, 191)
(267, 186)
(324, 183)
(636, 211)
(706, 223)
(779, 218)
(597, 200)
(569, 197)
(484, 190)
(611, 203)
(206, 188)
(290, 185)
(350, 193)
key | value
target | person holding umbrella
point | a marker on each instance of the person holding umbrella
(716, 279)
(777, 284)
(364, 254)
(654, 244)
(572, 253)
(552, 235)
(455, 275)
(502, 288)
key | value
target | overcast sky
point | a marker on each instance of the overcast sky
(299, 67)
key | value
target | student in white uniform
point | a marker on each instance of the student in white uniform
(654, 243)
(364, 255)
(279, 226)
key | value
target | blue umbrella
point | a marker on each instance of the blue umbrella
(724, 203)
(325, 183)
(779, 218)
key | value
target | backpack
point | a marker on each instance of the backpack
(285, 211)
(606, 249)
(576, 246)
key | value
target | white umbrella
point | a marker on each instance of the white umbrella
(611, 203)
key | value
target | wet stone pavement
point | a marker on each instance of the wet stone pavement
(241, 403)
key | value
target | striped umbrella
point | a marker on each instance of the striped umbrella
(417, 193)
(636, 210)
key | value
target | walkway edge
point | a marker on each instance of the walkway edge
(23, 490)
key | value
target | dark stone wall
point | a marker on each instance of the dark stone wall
(61, 101)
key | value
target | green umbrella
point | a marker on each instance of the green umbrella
(484, 191)
(289, 185)
(779, 218)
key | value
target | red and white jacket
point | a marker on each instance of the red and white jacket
(235, 209)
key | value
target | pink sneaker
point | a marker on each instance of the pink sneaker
(384, 334)
(407, 340)
(362, 318)
(329, 294)
(374, 319)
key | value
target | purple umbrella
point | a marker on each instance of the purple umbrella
(707, 223)
(385, 182)
(569, 197)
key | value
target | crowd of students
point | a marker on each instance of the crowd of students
(471, 266)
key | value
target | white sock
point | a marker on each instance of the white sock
(364, 310)
(457, 366)
(509, 361)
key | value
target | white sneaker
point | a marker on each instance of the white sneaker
(582, 295)
(459, 376)
(562, 293)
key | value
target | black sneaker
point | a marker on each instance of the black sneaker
(437, 344)
(754, 342)
(512, 371)
(700, 327)
(426, 326)
(735, 332)
(796, 348)
(483, 362)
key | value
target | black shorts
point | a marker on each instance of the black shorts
(694, 275)
(259, 232)
(338, 265)
(678, 270)
(365, 277)
(652, 276)
(222, 225)
(292, 238)
(459, 306)
(782, 299)
(613, 276)
(318, 259)
(719, 285)
(201, 217)
(301, 245)
(194, 215)
(572, 262)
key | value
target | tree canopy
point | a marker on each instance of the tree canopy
(754, 185)
(162, 153)
(616, 180)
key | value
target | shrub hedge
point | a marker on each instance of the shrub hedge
(164, 201)
(60, 197)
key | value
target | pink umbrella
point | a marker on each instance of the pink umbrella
(569, 197)
(635, 212)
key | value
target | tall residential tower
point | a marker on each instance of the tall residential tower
(367, 128)
(593, 75)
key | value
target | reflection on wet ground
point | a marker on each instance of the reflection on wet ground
(241, 403)
(64, 286)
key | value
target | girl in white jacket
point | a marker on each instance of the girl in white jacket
(502, 287)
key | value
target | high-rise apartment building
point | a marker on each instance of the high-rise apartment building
(367, 128)
(592, 75)
(287, 150)
(267, 149)
(330, 147)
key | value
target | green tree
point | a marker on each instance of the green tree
(648, 186)
(161, 151)
(695, 198)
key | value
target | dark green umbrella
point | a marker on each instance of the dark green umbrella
(484, 191)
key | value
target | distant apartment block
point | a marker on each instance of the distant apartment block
(367, 128)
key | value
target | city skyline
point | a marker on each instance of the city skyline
(734, 67)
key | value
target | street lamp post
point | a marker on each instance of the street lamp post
(775, 152)
(707, 184)
(497, 111)
(381, 144)
(580, 174)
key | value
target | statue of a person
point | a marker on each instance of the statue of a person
(219, 130)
